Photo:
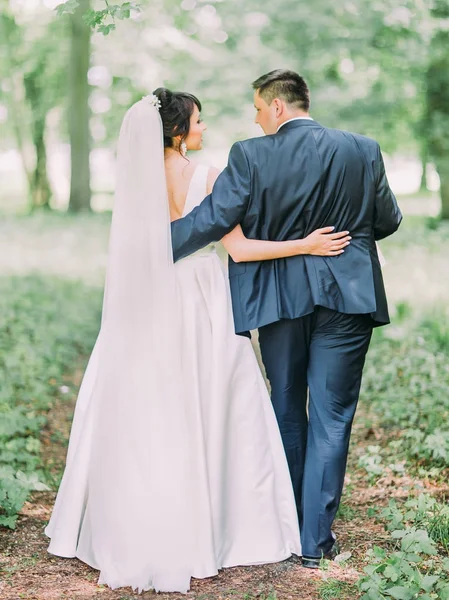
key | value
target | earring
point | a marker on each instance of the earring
(184, 149)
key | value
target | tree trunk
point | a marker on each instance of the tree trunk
(424, 160)
(14, 99)
(41, 190)
(79, 111)
(444, 191)
(40, 185)
(438, 99)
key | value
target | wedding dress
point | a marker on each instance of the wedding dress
(175, 467)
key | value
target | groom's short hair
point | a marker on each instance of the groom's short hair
(286, 85)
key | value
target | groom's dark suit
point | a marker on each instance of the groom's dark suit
(314, 314)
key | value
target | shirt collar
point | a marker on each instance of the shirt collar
(294, 119)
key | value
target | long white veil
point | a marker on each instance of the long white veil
(129, 450)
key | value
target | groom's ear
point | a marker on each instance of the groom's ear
(278, 107)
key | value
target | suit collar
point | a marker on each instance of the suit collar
(288, 126)
(293, 119)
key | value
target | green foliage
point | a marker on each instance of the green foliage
(406, 399)
(413, 569)
(424, 512)
(97, 19)
(33, 74)
(45, 324)
(345, 512)
(412, 395)
(377, 461)
(67, 8)
(405, 574)
(350, 88)
(371, 461)
(330, 589)
(353, 71)
(438, 99)
(12, 497)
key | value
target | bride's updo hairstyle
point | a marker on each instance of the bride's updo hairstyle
(176, 110)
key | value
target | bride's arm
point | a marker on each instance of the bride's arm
(321, 242)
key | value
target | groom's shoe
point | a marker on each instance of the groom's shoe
(314, 563)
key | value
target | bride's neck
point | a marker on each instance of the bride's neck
(171, 154)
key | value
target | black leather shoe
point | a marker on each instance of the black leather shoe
(314, 563)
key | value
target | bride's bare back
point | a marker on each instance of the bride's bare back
(179, 174)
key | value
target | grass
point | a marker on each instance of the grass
(331, 589)
(55, 244)
(438, 530)
(345, 512)
(271, 595)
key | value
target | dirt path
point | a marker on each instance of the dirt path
(28, 572)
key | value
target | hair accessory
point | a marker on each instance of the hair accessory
(153, 100)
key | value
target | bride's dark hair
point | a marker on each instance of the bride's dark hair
(176, 110)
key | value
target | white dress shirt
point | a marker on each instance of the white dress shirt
(294, 119)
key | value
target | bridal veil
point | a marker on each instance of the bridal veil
(129, 446)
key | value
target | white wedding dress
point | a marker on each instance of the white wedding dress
(175, 468)
(244, 510)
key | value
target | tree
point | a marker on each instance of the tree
(32, 71)
(372, 67)
(40, 185)
(44, 79)
(438, 100)
(80, 192)
(12, 90)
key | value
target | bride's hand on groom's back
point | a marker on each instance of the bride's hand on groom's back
(324, 242)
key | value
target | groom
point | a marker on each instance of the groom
(314, 314)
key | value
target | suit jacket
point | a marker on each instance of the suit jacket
(283, 187)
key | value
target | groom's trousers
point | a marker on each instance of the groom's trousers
(322, 353)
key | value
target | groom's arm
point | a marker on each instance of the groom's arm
(387, 216)
(219, 212)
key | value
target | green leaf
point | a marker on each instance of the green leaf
(400, 592)
(370, 569)
(106, 29)
(68, 7)
(391, 573)
(8, 521)
(413, 558)
(123, 13)
(418, 541)
(422, 503)
(379, 552)
(443, 592)
(428, 582)
(92, 18)
(31, 481)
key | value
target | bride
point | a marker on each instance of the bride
(175, 467)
